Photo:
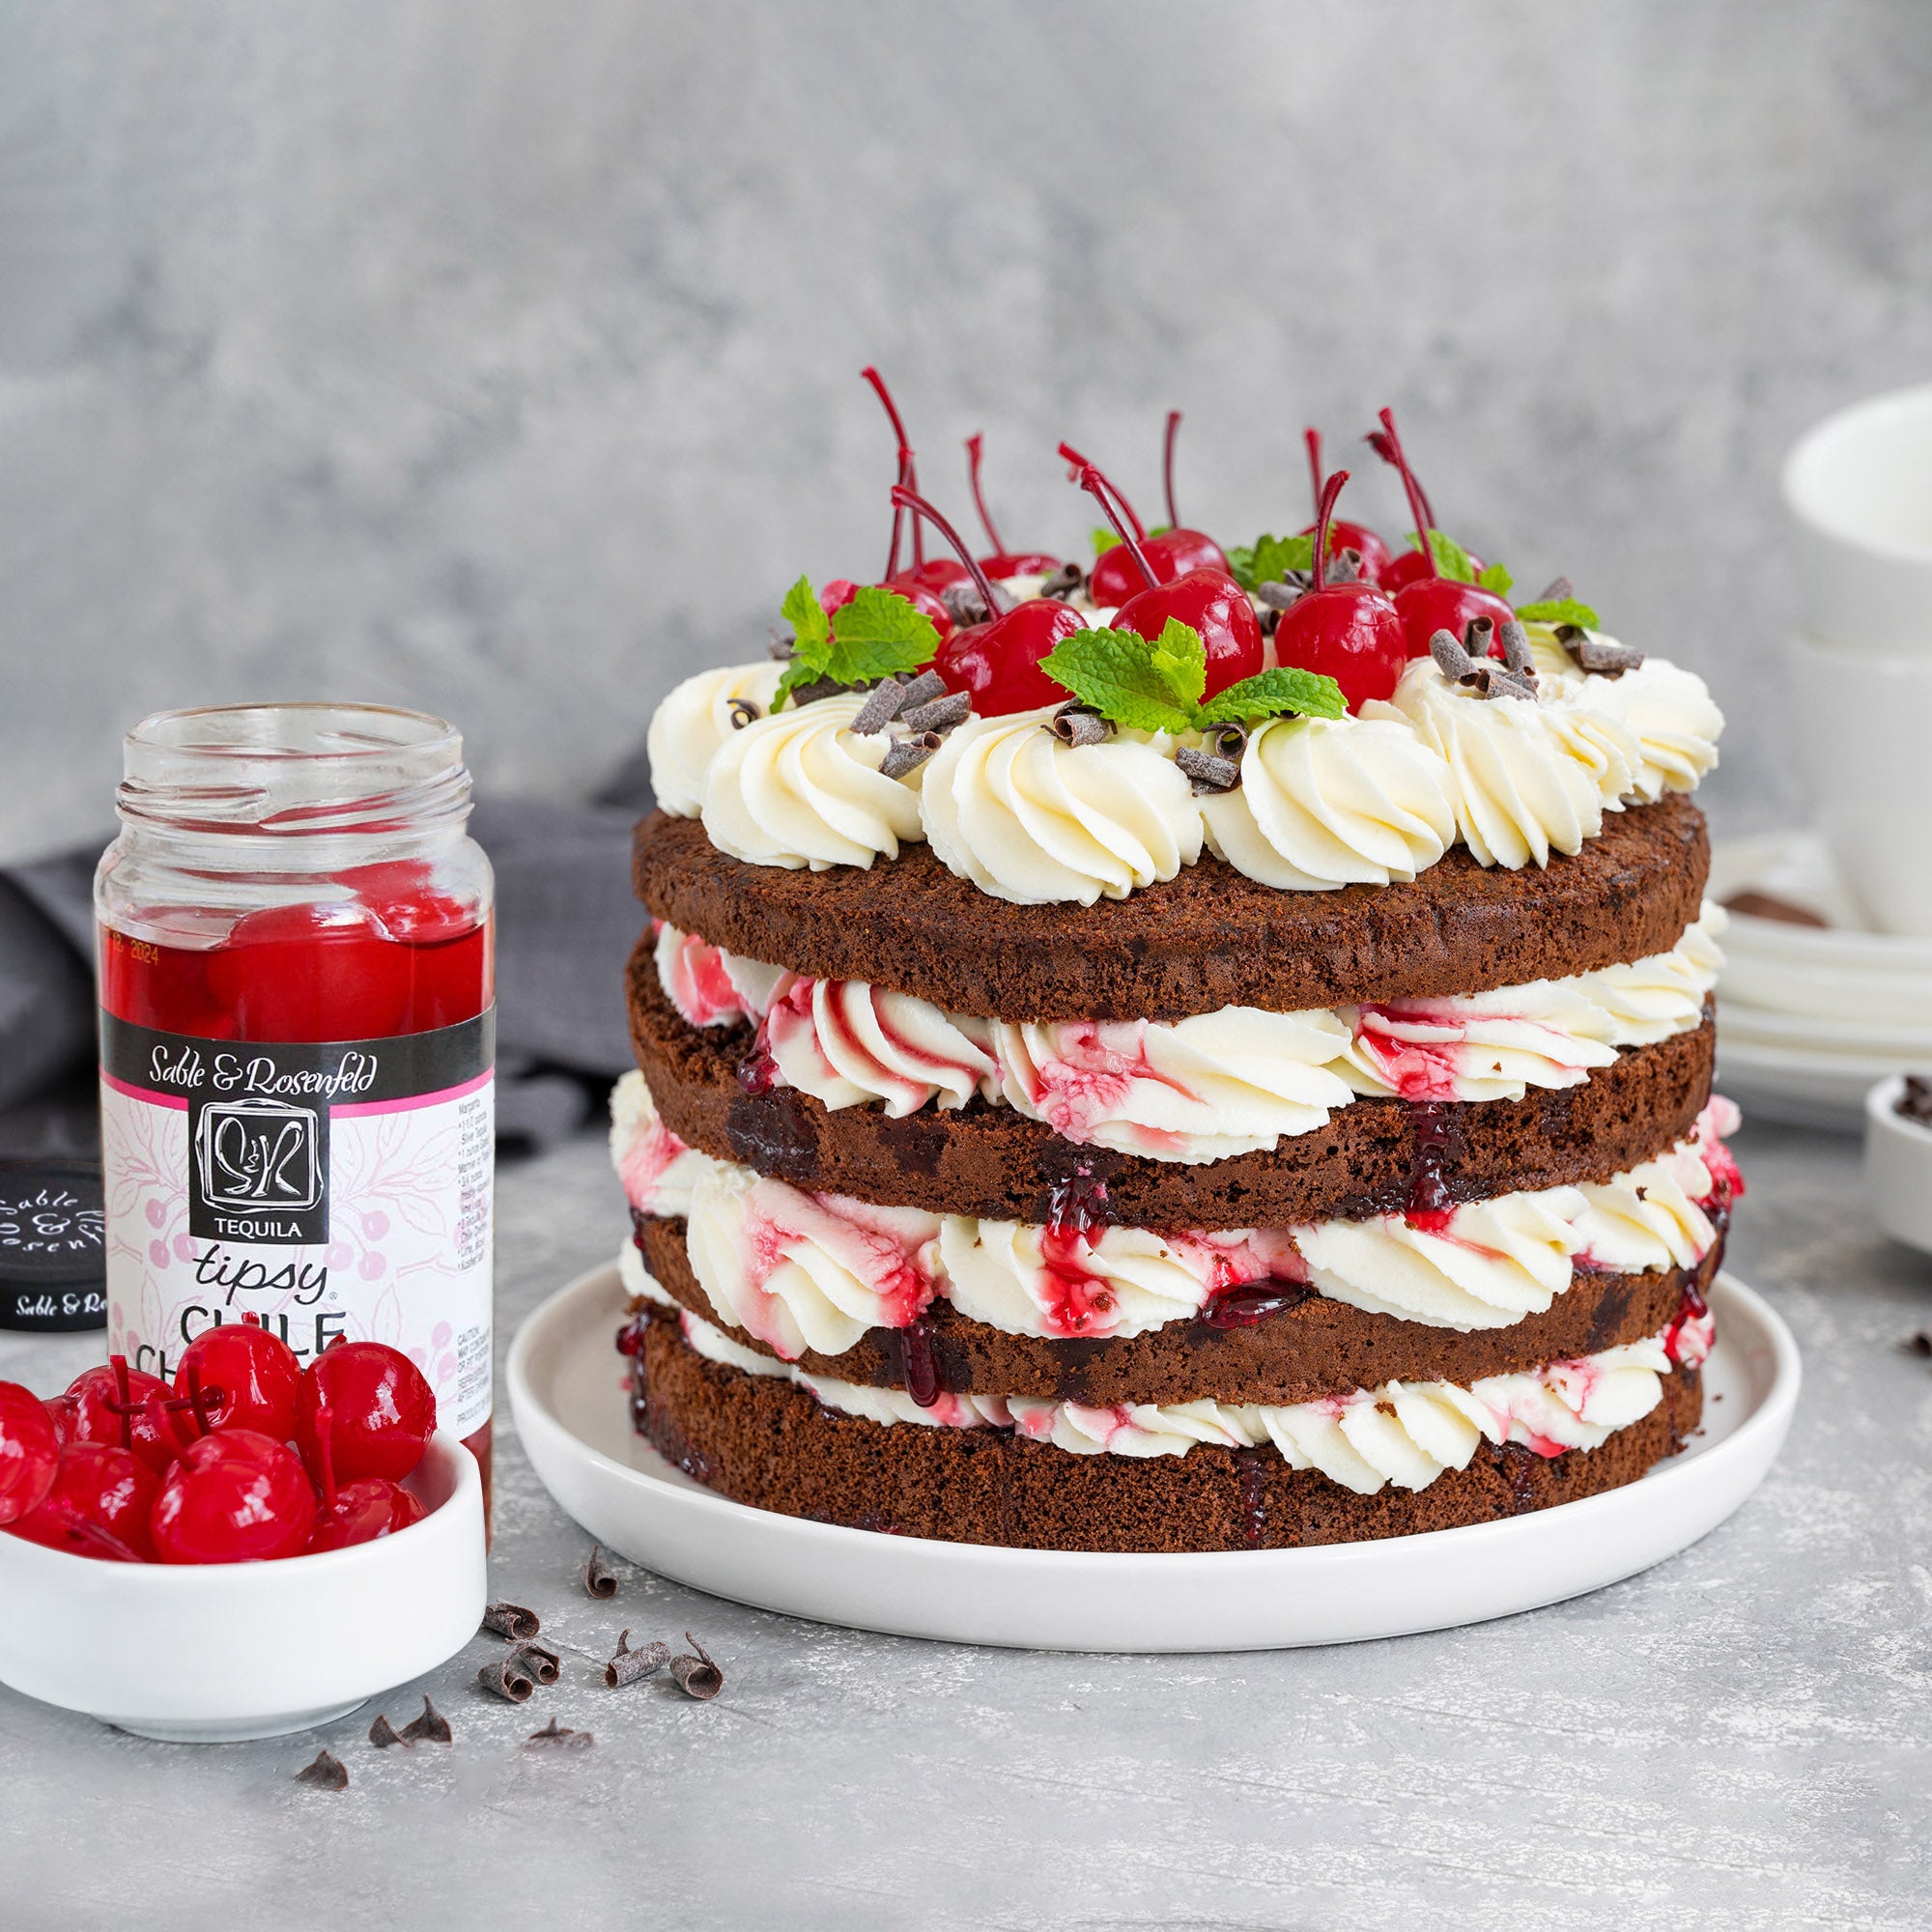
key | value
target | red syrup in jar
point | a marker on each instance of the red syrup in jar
(299, 1100)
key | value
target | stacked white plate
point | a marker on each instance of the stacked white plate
(1809, 1016)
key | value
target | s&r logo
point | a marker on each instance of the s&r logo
(260, 1171)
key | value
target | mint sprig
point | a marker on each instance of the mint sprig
(1157, 684)
(1558, 610)
(1268, 560)
(874, 636)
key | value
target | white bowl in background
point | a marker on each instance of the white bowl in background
(209, 1653)
(1898, 1167)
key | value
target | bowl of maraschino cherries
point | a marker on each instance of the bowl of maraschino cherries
(250, 1549)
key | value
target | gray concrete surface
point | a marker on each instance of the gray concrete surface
(500, 356)
(1737, 1739)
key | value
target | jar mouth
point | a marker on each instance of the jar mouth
(293, 769)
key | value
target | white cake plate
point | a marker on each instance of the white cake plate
(568, 1392)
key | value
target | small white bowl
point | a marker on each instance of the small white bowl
(1898, 1167)
(212, 1653)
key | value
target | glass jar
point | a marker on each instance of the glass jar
(298, 1041)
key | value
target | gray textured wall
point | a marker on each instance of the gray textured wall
(498, 355)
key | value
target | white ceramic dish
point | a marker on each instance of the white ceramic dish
(1898, 1167)
(1797, 1089)
(567, 1391)
(209, 1654)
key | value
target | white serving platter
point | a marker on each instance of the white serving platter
(568, 1393)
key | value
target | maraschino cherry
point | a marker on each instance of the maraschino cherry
(357, 1512)
(1205, 597)
(923, 583)
(381, 1412)
(1119, 572)
(997, 664)
(1350, 632)
(1343, 535)
(129, 1408)
(237, 1497)
(245, 1377)
(29, 1452)
(1000, 562)
(1429, 601)
(99, 1505)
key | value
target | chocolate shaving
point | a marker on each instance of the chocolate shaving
(555, 1736)
(887, 700)
(1606, 659)
(1079, 725)
(513, 1621)
(382, 1734)
(783, 646)
(907, 755)
(966, 606)
(1491, 678)
(1451, 659)
(1283, 595)
(543, 1664)
(1065, 583)
(1919, 1345)
(743, 712)
(1558, 590)
(325, 1774)
(696, 1676)
(939, 714)
(432, 1728)
(599, 1580)
(506, 1677)
(1517, 654)
(630, 1666)
(1915, 1104)
(1345, 566)
(819, 686)
(923, 689)
(1207, 772)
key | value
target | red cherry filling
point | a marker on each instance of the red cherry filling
(381, 1411)
(234, 1497)
(1350, 632)
(1344, 535)
(1138, 561)
(124, 1406)
(99, 1505)
(248, 1379)
(29, 1452)
(1218, 607)
(1000, 562)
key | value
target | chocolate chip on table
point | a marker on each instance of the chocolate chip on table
(432, 1728)
(327, 1773)
(382, 1734)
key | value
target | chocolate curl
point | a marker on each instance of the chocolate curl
(1598, 655)
(696, 1676)
(1065, 583)
(325, 1774)
(1451, 659)
(907, 755)
(1345, 567)
(541, 1664)
(382, 1734)
(1283, 593)
(432, 1728)
(599, 1580)
(513, 1621)
(1559, 590)
(506, 1677)
(885, 703)
(1517, 654)
(938, 714)
(553, 1736)
(782, 646)
(743, 712)
(1078, 725)
(629, 1666)
(1209, 773)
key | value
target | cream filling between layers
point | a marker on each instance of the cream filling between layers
(1201, 1089)
(803, 1270)
(1402, 1432)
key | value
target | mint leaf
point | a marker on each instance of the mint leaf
(1452, 560)
(1114, 671)
(877, 634)
(1495, 577)
(1561, 611)
(1274, 693)
(1268, 560)
(811, 630)
(1104, 539)
(1181, 659)
(1241, 566)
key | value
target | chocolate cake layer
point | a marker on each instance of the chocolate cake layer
(1205, 939)
(996, 1163)
(1312, 1348)
(768, 1443)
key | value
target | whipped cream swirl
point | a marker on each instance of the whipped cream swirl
(798, 787)
(690, 725)
(1030, 819)
(658, 1170)
(1334, 802)
(1402, 1432)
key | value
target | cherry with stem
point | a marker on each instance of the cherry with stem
(1167, 466)
(906, 499)
(1094, 481)
(908, 476)
(975, 448)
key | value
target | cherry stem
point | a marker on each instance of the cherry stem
(1324, 511)
(908, 475)
(910, 499)
(1105, 494)
(1418, 503)
(126, 1405)
(1080, 463)
(324, 1421)
(1312, 439)
(1167, 468)
(974, 445)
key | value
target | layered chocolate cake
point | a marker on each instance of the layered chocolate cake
(1210, 1050)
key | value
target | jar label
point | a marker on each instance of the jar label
(334, 1189)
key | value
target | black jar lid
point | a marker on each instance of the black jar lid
(53, 1256)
